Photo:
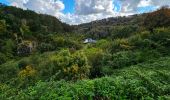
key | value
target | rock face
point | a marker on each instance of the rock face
(26, 48)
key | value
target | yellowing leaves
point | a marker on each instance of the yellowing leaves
(73, 69)
(27, 72)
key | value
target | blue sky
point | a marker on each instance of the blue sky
(82, 11)
(4, 1)
(69, 6)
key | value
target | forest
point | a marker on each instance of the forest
(42, 58)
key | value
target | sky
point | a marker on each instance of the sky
(83, 11)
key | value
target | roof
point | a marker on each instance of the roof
(89, 40)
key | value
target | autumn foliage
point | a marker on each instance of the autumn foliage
(159, 18)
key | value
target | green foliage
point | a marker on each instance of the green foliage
(25, 31)
(3, 58)
(35, 22)
(8, 48)
(95, 56)
(2, 27)
(127, 58)
(44, 47)
(27, 76)
(8, 72)
(23, 63)
(103, 44)
(73, 66)
(126, 63)
(143, 81)
(7, 45)
(121, 59)
(65, 42)
(122, 31)
(120, 45)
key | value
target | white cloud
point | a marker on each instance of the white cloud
(144, 3)
(51, 7)
(87, 10)
(84, 7)
(160, 3)
(77, 19)
(18, 3)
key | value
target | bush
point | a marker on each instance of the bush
(8, 71)
(44, 47)
(127, 58)
(2, 27)
(158, 40)
(59, 41)
(120, 45)
(73, 66)
(95, 56)
(27, 76)
(23, 63)
(3, 58)
(123, 31)
(103, 44)
(121, 59)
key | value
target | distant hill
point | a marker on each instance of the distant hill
(16, 17)
(110, 22)
(102, 28)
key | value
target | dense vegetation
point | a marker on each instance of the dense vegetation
(43, 58)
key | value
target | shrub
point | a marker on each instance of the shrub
(8, 71)
(23, 63)
(95, 56)
(73, 66)
(73, 44)
(128, 58)
(44, 47)
(27, 76)
(121, 59)
(103, 44)
(120, 45)
(2, 27)
(27, 72)
(160, 35)
(3, 58)
(80, 64)
(59, 42)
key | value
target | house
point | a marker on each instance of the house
(89, 40)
